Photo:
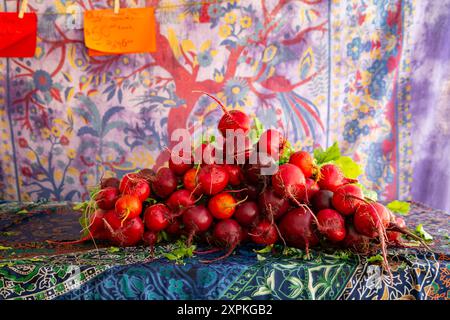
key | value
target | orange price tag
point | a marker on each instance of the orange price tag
(129, 31)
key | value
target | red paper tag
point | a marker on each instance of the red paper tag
(17, 36)
(204, 15)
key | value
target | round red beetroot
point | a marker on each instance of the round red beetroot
(222, 205)
(234, 120)
(264, 233)
(197, 219)
(147, 174)
(180, 200)
(96, 225)
(112, 220)
(370, 218)
(107, 197)
(355, 240)
(164, 183)
(272, 205)
(395, 237)
(308, 190)
(134, 184)
(228, 233)
(180, 163)
(322, 200)
(128, 180)
(289, 182)
(272, 142)
(331, 177)
(109, 182)
(296, 227)
(129, 234)
(190, 181)
(235, 174)
(304, 161)
(128, 207)
(156, 217)
(247, 213)
(250, 192)
(331, 224)
(213, 179)
(150, 238)
(344, 199)
(174, 227)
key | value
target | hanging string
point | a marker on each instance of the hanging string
(23, 7)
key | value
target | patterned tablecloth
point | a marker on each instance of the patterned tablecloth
(31, 269)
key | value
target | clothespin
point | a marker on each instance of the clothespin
(23, 8)
(116, 6)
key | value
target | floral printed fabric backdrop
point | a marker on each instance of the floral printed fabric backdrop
(321, 71)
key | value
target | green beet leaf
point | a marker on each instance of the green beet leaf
(399, 207)
(420, 231)
(331, 154)
(349, 167)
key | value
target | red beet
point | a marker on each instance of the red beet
(370, 219)
(331, 177)
(129, 234)
(247, 213)
(355, 240)
(226, 234)
(395, 237)
(133, 184)
(231, 120)
(304, 161)
(107, 197)
(109, 182)
(180, 163)
(213, 179)
(190, 181)
(308, 190)
(164, 183)
(112, 219)
(345, 199)
(174, 227)
(250, 192)
(296, 228)
(272, 142)
(180, 200)
(235, 174)
(150, 238)
(322, 200)
(272, 205)
(222, 205)
(196, 219)
(128, 207)
(156, 217)
(331, 224)
(147, 174)
(289, 182)
(264, 233)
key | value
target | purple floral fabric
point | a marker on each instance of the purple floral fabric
(430, 107)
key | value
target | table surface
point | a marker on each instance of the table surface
(32, 269)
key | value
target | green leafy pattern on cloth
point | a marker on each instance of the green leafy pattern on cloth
(33, 269)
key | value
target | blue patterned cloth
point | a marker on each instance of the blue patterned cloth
(32, 269)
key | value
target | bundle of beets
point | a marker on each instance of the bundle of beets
(302, 205)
